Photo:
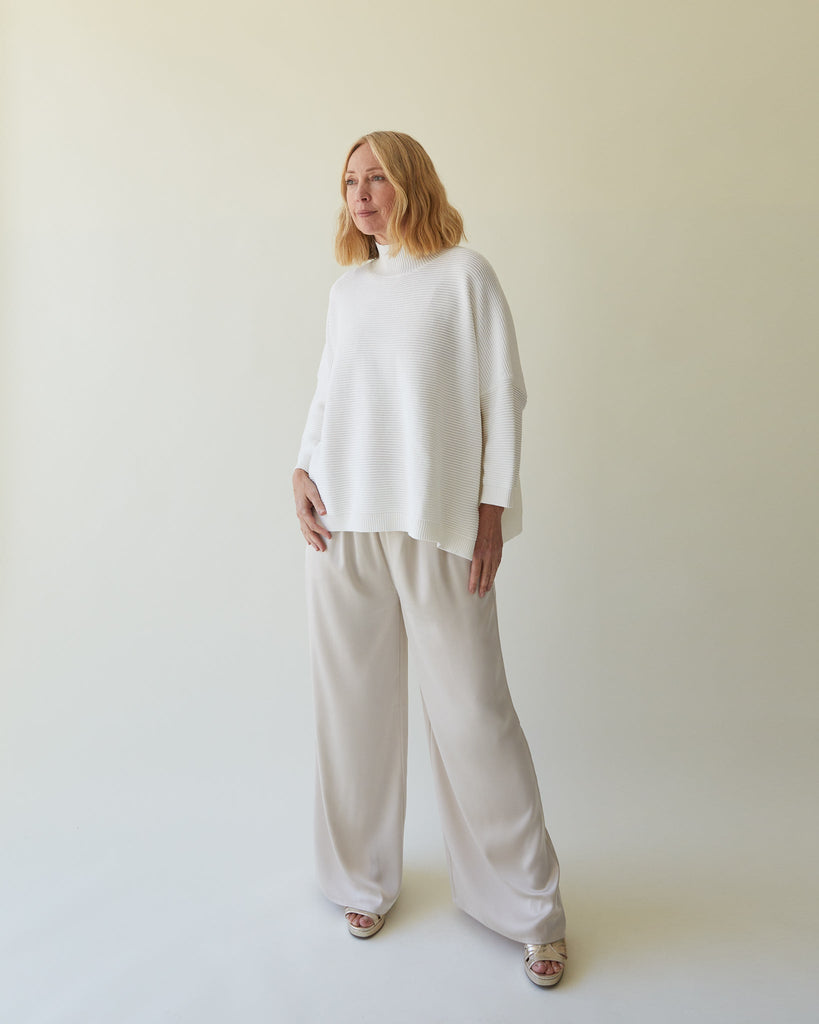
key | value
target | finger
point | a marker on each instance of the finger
(322, 529)
(316, 527)
(475, 574)
(314, 540)
(309, 522)
(490, 570)
(312, 493)
(486, 580)
(306, 502)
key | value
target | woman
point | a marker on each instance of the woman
(406, 485)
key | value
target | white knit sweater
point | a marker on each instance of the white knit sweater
(416, 418)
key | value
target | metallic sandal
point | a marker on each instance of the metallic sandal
(364, 933)
(555, 951)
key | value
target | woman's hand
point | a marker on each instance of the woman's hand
(488, 549)
(308, 502)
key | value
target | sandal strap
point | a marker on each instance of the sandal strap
(555, 951)
(375, 918)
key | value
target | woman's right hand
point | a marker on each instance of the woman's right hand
(308, 502)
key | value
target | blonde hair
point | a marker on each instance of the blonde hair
(422, 221)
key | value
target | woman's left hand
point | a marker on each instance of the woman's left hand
(488, 549)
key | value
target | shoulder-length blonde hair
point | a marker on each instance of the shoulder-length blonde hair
(422, 221)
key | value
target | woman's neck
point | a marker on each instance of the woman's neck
(401, 263)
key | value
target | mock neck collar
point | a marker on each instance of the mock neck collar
(389, 266)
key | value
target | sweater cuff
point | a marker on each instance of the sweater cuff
(495, 496)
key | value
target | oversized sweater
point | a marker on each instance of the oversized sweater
(416, 417)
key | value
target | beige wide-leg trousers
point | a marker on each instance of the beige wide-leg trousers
(368, 594)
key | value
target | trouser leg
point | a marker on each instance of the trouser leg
(359, 663)
(503, 867)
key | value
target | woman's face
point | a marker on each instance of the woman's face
(369, 195)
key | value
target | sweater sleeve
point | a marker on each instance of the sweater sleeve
(315, 416)
(503, 392)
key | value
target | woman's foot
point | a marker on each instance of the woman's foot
(544, 962)
(547, 967)
(360, 920)
(361, 924)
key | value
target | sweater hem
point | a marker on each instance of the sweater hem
(456, 543)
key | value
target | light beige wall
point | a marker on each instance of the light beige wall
(643, 177)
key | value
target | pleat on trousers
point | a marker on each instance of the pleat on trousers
(370, 597)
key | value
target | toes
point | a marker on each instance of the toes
(360, 920)
(547, 967)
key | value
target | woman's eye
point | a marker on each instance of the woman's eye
(349, 183)
(379, 177)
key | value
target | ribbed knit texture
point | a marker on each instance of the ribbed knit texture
(416, 418)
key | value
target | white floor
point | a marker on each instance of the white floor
(199, 907)
(163, 947)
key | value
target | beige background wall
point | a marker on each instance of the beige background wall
(642, 175)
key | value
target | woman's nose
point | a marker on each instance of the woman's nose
(362, 192)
